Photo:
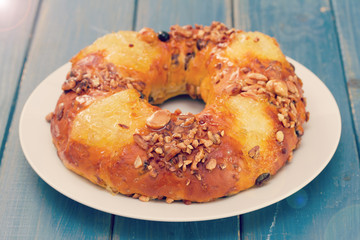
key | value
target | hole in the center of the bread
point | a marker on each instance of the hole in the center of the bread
(185, 103)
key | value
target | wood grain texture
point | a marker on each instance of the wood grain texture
(227, 228)
(16, 21)
(29, 208)
(160, 15)
(306, 32)
(347, 15)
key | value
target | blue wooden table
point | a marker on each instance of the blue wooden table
(38, 36)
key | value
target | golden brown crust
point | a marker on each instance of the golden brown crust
(248, 130)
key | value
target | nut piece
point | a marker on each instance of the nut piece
(68, 85)
(169, 200)
(280, 136)
(144, 198)
(140, 141)
(138, 162)
(280, 88)
(147, 34)
(159, 150)
(49, 117)
(211, 164)
(158, 119)
(233, 89)
(257, 76)
(292, 87)
(222, 166)
(254, 152)
(153, 172)
(60, 111)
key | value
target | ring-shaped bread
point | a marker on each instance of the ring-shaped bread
(106, 129)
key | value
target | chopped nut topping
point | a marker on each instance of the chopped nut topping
(279, 136)
(68, 85)
(147, 34)
(290, 156)
(182, 146)
(292, 87)
(195, 143)
(207, 143)
(211, 164)
(136, 195)
(138, 162)
(169, 200)
(60, 111)
(140, 141)
(222, 166)
(172, 147)
(144, 198)
(198, 176)
(217, 138)
(281, 117)
(282, 91)
(280, 88)
(49, 117)
(167, 139)
(254, 152)
(159, 150)
(233, 89)
(153, 173)
(257, 76)
(101, 75)
(177, 135)
(158, 119)
(211, 136)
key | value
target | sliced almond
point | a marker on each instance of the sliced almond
(280, 88)
(257, 76)
(158, 119)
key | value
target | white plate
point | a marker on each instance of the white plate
(322, 134)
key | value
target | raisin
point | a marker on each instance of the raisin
(163, 36)
(262, 179)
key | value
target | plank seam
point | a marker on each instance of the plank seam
(133, 27)
(17, 89)
(112, 223)
(135, 15)
(239, 217)
(353, 125)
(232, 14)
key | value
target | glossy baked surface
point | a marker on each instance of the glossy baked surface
(106, 130)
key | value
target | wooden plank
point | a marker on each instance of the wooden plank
(160, 15)
(347, 15)
(329, 204)
(15, 30)
(29, 208)
(227, 228)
